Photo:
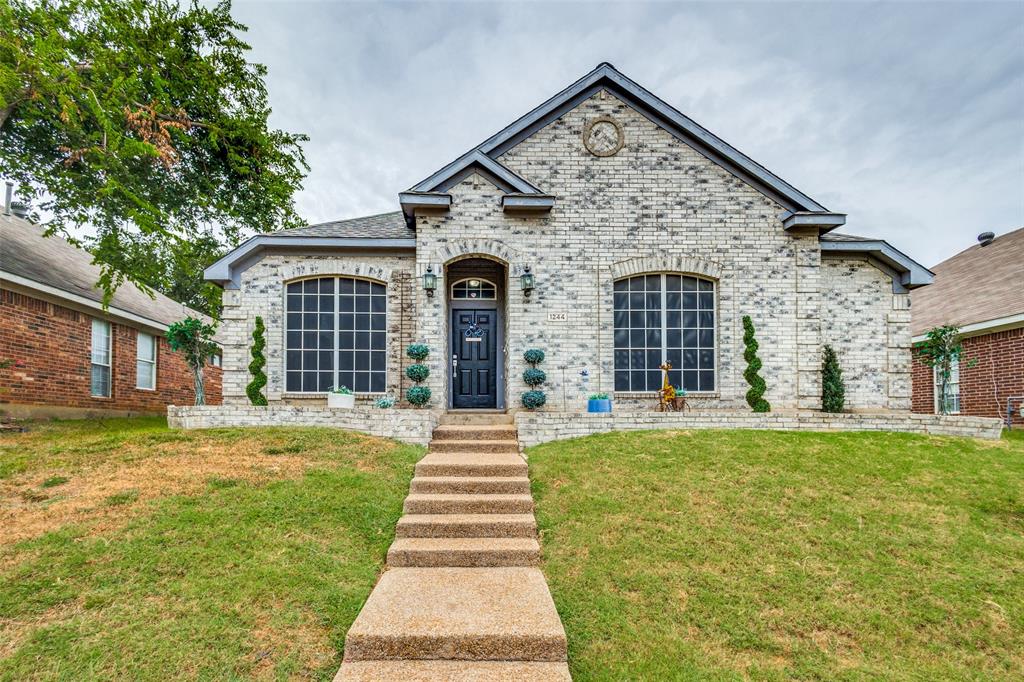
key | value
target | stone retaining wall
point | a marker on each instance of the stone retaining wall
(541, 427)
(410, 426)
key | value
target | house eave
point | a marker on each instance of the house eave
(985, 327)
(527, 203)
(413, 201)
(911, 273)
(823, 221)
(227, 271)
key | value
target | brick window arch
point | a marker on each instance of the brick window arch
(665, 317)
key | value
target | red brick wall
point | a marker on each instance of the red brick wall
(996, 374)
(51, 347)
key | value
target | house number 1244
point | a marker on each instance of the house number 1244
(558, 317)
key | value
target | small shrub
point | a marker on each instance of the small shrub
(385, 402)
(598, 396)
(341, 390)
(534, 377)
(418, 395)
(417, 372)
(534, 356)
(255, 388)
(54, 481)
(418, 351)
(833, 390)
(755, 396)
(534, 399)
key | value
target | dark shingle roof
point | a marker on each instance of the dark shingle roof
(978, 284)
(53, 262)
(383, 226)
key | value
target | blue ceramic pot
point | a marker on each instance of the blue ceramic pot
(599, 405)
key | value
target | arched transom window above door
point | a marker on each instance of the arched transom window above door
(665, 318)
(474, 288)
(335, 335)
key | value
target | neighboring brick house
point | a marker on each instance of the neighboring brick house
(603, 227)
(981, 291)
(70, 357)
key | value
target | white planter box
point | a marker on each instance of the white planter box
(346, 402)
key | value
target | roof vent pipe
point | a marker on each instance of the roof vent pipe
(986, 238)
(8, 197)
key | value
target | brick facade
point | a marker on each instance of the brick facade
(658, 205)
(51, 346)
(992, 370)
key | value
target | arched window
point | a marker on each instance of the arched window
(474, 288)
(336, 335)
(664, 318)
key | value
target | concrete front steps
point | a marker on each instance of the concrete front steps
(462, 598)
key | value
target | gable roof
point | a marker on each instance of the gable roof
(906, 272)
(57, 269)
(979, 285)
(606, 76)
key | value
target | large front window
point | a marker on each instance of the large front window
(664, 318)
(336, 335)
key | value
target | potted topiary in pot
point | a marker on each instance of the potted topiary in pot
(341, 397)
(599, 402)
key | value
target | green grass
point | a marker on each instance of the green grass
(236, 579)
(721, 555)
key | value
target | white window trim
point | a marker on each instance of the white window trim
(955, 394)
(451, 289)
(715, 292)
(152, 363)
(337, 331)
(109, 356)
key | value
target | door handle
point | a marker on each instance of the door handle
(455, 366)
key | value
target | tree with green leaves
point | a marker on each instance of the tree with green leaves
(833, 389)
(194, 339)
(259, 379)
(755, 396)
(940, 349)
(143, 122)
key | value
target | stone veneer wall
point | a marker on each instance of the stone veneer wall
(541, 427)
(410, 426)
(657, 205)
(869, 327)
(262, 292)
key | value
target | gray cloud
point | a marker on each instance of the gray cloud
(906, 116)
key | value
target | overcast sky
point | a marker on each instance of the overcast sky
(908, 117)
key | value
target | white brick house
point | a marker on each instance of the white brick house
(647, 238)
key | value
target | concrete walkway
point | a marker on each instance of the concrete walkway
(462, 598)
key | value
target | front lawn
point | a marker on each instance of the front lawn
(130, 551)
(742, 554)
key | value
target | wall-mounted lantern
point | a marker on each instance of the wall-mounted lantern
(429, 281)
(526, 281)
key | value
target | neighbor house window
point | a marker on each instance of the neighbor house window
(473, 288)
(664, 318)
(145, 361)
(216, 360)
(99, 384)
(336, 335)
(952, 397)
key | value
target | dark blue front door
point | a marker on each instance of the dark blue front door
(474, 359)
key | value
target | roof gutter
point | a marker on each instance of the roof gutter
(227, 271)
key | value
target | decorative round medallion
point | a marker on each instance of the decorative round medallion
(603, 136)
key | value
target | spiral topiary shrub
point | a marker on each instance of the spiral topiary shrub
(534, 356)
(417, 372)
(418, 395)
(255, 388)
(534, 399)
(418, 351)
(534, 377)
(755, 396)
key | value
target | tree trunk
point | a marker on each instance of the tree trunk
(197, 374)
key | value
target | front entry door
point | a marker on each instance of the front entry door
(474, 359)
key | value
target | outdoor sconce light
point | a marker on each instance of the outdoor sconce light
(429, 281)
(526, 281)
